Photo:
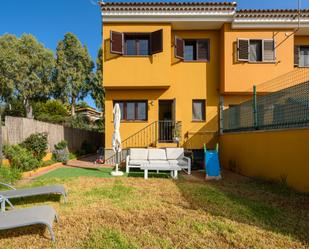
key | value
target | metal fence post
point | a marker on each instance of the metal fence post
(221, 117)
(1, 155)
(255, 110)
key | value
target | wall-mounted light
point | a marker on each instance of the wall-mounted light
(151, 102)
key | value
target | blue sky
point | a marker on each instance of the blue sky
(50, 20)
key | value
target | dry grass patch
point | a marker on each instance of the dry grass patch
(162, 213)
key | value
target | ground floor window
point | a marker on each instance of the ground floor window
(198, 110)
(133, 110)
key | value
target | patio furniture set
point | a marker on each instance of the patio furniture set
(169, 159)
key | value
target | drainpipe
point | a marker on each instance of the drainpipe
(255, 111)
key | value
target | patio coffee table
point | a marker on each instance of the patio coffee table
(174, 168)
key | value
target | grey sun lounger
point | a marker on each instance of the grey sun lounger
(44, 215)
(27, 192)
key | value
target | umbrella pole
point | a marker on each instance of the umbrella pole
(117, 172)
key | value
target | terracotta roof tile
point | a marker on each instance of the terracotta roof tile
(230, 4)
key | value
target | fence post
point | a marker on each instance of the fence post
(221, 117)
(1, 155)
(255, 110)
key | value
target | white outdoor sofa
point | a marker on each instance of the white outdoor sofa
(158, 159)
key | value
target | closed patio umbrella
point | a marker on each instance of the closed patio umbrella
(116, 141)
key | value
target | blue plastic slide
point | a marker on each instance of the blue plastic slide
(212, 164)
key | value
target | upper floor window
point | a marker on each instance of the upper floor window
(136, 44)
(141, 44)
(192, 50)
(301, 56)
(133, 110)
(256, 50)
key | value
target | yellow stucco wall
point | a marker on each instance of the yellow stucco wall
(238, 76)
(185, 80)
(272, 155)
(137, 70)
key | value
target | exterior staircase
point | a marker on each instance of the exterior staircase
(156, 134)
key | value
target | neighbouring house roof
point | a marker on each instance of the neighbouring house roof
(271, 18)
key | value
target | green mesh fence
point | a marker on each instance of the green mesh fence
(287, 108)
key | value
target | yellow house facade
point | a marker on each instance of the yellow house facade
(169, 65)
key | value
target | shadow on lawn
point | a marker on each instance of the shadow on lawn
(251, 202)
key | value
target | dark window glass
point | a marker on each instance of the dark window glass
(198, 110)
(255, 49)
(196, 50)
(136, 44)
(304, 56)
(130, 111)
(130, 47)
(190, 51)
(144, 47)
(133, 110)
(141, 111)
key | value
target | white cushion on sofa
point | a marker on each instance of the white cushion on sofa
(156, 154)
(161, 162)
(178, 162)
(174, 153)
(138, 154)
(138, 162)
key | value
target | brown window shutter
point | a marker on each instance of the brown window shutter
(156, 42)
(179, 48)
(243, 49)
(116, 42)
(296, 55)
(203, 50)
(268, 50)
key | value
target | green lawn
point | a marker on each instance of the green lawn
(130, 212)
(65, 173)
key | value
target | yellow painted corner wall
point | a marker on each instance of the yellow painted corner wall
(197, 80)
(271, 155)
(241, 76)
(136, 70)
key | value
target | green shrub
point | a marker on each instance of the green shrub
(36, 144)
(61, 145)
(20, 158)
(51, 111)
(9, 175)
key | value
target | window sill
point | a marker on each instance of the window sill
(198, 121)
(203, 61)
(142, 56)
(262, 62)
(133, 121)
(302, 66)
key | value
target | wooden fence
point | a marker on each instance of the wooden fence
(17, 129)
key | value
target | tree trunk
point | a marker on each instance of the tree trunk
(28, 107)
(73, 106)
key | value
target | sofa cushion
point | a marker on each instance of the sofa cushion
(174, 153)
(178, 162)
(138, 162)
(156, 154)
(161, 162)
(138, 154)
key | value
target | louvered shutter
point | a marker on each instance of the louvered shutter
(203, 50)
(117, 41)
(243, 49)
(156, 41)
(268, 50)
(296, 55)
(179, 48)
